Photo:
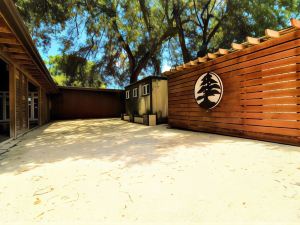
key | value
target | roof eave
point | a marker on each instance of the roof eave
(11, 13)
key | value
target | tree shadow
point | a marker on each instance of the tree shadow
(110, 140)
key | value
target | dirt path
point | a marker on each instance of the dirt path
(113, 172)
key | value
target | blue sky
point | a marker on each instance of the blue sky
(54, 49)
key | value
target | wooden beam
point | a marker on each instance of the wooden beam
(295, 23)
(4, 30)
(192, 63)
(211, 55)
(223, 51)
(272, 33)
(25, 57)
(24, 62)
(201, 60)
(40, 106)
(167, 72)
(12, 101)
(179, 68)
(9, 41)
(15, 50)
(236, 46)
(253, 41)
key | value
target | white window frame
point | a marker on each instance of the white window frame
(127, 94)
(33, 96)
(135, 92)
(4, 95)
(145, 89)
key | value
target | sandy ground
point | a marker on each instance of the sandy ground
(114, 172)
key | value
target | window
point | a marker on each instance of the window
(135, 92)
(127, 94)
(146, 89)
(33, 106)
(4, 106)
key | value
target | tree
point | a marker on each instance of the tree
(214, 23)
(129, 38)
(71, 70)
(208, 88)
(125, 37)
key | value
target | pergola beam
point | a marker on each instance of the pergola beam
(222, 51)
(272, 33)
(211, 55)
(237, 46)
(253, 41)
(295, 23)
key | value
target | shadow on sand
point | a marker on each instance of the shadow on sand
(111, 140)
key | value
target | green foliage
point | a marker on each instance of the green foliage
(72, 70)
(129, 38)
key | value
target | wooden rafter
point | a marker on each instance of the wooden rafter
(15, 50)
(253, 41)
(25, 62)
(179, 68)
(191, 63)
(272, 33)
(222, 51)
(237, 46)
(295, 23)
(9, 41)
(20, 56)
(201, 60)
(4, 30)
(211, 55)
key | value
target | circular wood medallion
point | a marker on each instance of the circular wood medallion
(208, 90)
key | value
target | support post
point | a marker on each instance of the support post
(12, 101)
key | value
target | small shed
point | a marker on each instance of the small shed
(147, 101)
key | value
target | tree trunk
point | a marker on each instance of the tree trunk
(202, 51)
(185, 52)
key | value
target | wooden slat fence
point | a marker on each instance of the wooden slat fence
(261, 97)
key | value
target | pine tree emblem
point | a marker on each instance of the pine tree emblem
(208, 90)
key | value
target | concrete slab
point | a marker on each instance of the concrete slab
(115, 172)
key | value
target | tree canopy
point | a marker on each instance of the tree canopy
(71, 70)
(126, 39)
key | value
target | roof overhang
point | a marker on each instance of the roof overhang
(17, 43)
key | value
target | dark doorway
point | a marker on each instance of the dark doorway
(33, 105)
(4, 101)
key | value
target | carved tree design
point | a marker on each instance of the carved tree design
(209, 87)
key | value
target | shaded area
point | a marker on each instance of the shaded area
(113, 140)
(4, 101)
(85, 103)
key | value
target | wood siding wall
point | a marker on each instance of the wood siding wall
(82, 104)
(44, 107)
(261, 97)
(21, 103)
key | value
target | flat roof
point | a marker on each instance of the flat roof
(148, 78)
(88, 89)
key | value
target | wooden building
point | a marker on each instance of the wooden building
(78, 103)
(147, 101)
(251, 90)
(25, 83)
